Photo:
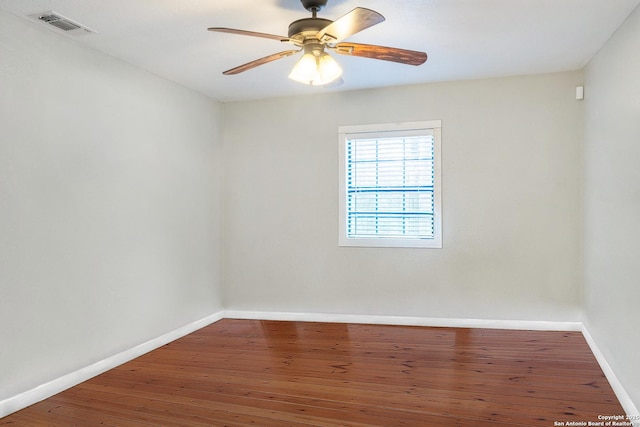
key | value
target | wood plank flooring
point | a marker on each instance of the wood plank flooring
(266, 373)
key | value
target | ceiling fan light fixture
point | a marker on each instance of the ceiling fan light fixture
(315, 70)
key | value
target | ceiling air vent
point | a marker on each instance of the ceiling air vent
(60, 22)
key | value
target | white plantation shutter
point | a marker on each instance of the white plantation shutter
(389, 187)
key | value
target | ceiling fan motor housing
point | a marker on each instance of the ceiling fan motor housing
(307, 25)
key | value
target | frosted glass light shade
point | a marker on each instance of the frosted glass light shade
(305, 69)
(328, 68)
(313, 70)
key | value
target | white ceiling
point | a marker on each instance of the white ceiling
(465, 39)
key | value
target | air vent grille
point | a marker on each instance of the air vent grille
(60, 22)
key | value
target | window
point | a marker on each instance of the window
(390, 185)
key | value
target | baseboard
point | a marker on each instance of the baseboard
(405, 320)
(622, 395)
(58, 385)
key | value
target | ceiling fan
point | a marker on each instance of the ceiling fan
(316, 35)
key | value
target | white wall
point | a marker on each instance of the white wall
(511, 198)
(612, 202)
(110, 216)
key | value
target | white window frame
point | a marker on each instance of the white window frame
(386, 130)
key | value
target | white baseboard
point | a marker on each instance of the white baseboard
(58, 385)
(622, 395)
(406, 321)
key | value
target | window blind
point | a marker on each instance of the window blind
(390, 187)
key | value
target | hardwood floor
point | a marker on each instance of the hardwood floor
(265, 373)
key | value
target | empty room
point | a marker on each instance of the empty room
(319, 213)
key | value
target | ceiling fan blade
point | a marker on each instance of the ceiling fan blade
(403, 56)
(261, 61)
(351, 23)
(249, 33)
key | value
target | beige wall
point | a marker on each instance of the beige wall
(511, 204)
(109, 206)
(612, 202)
